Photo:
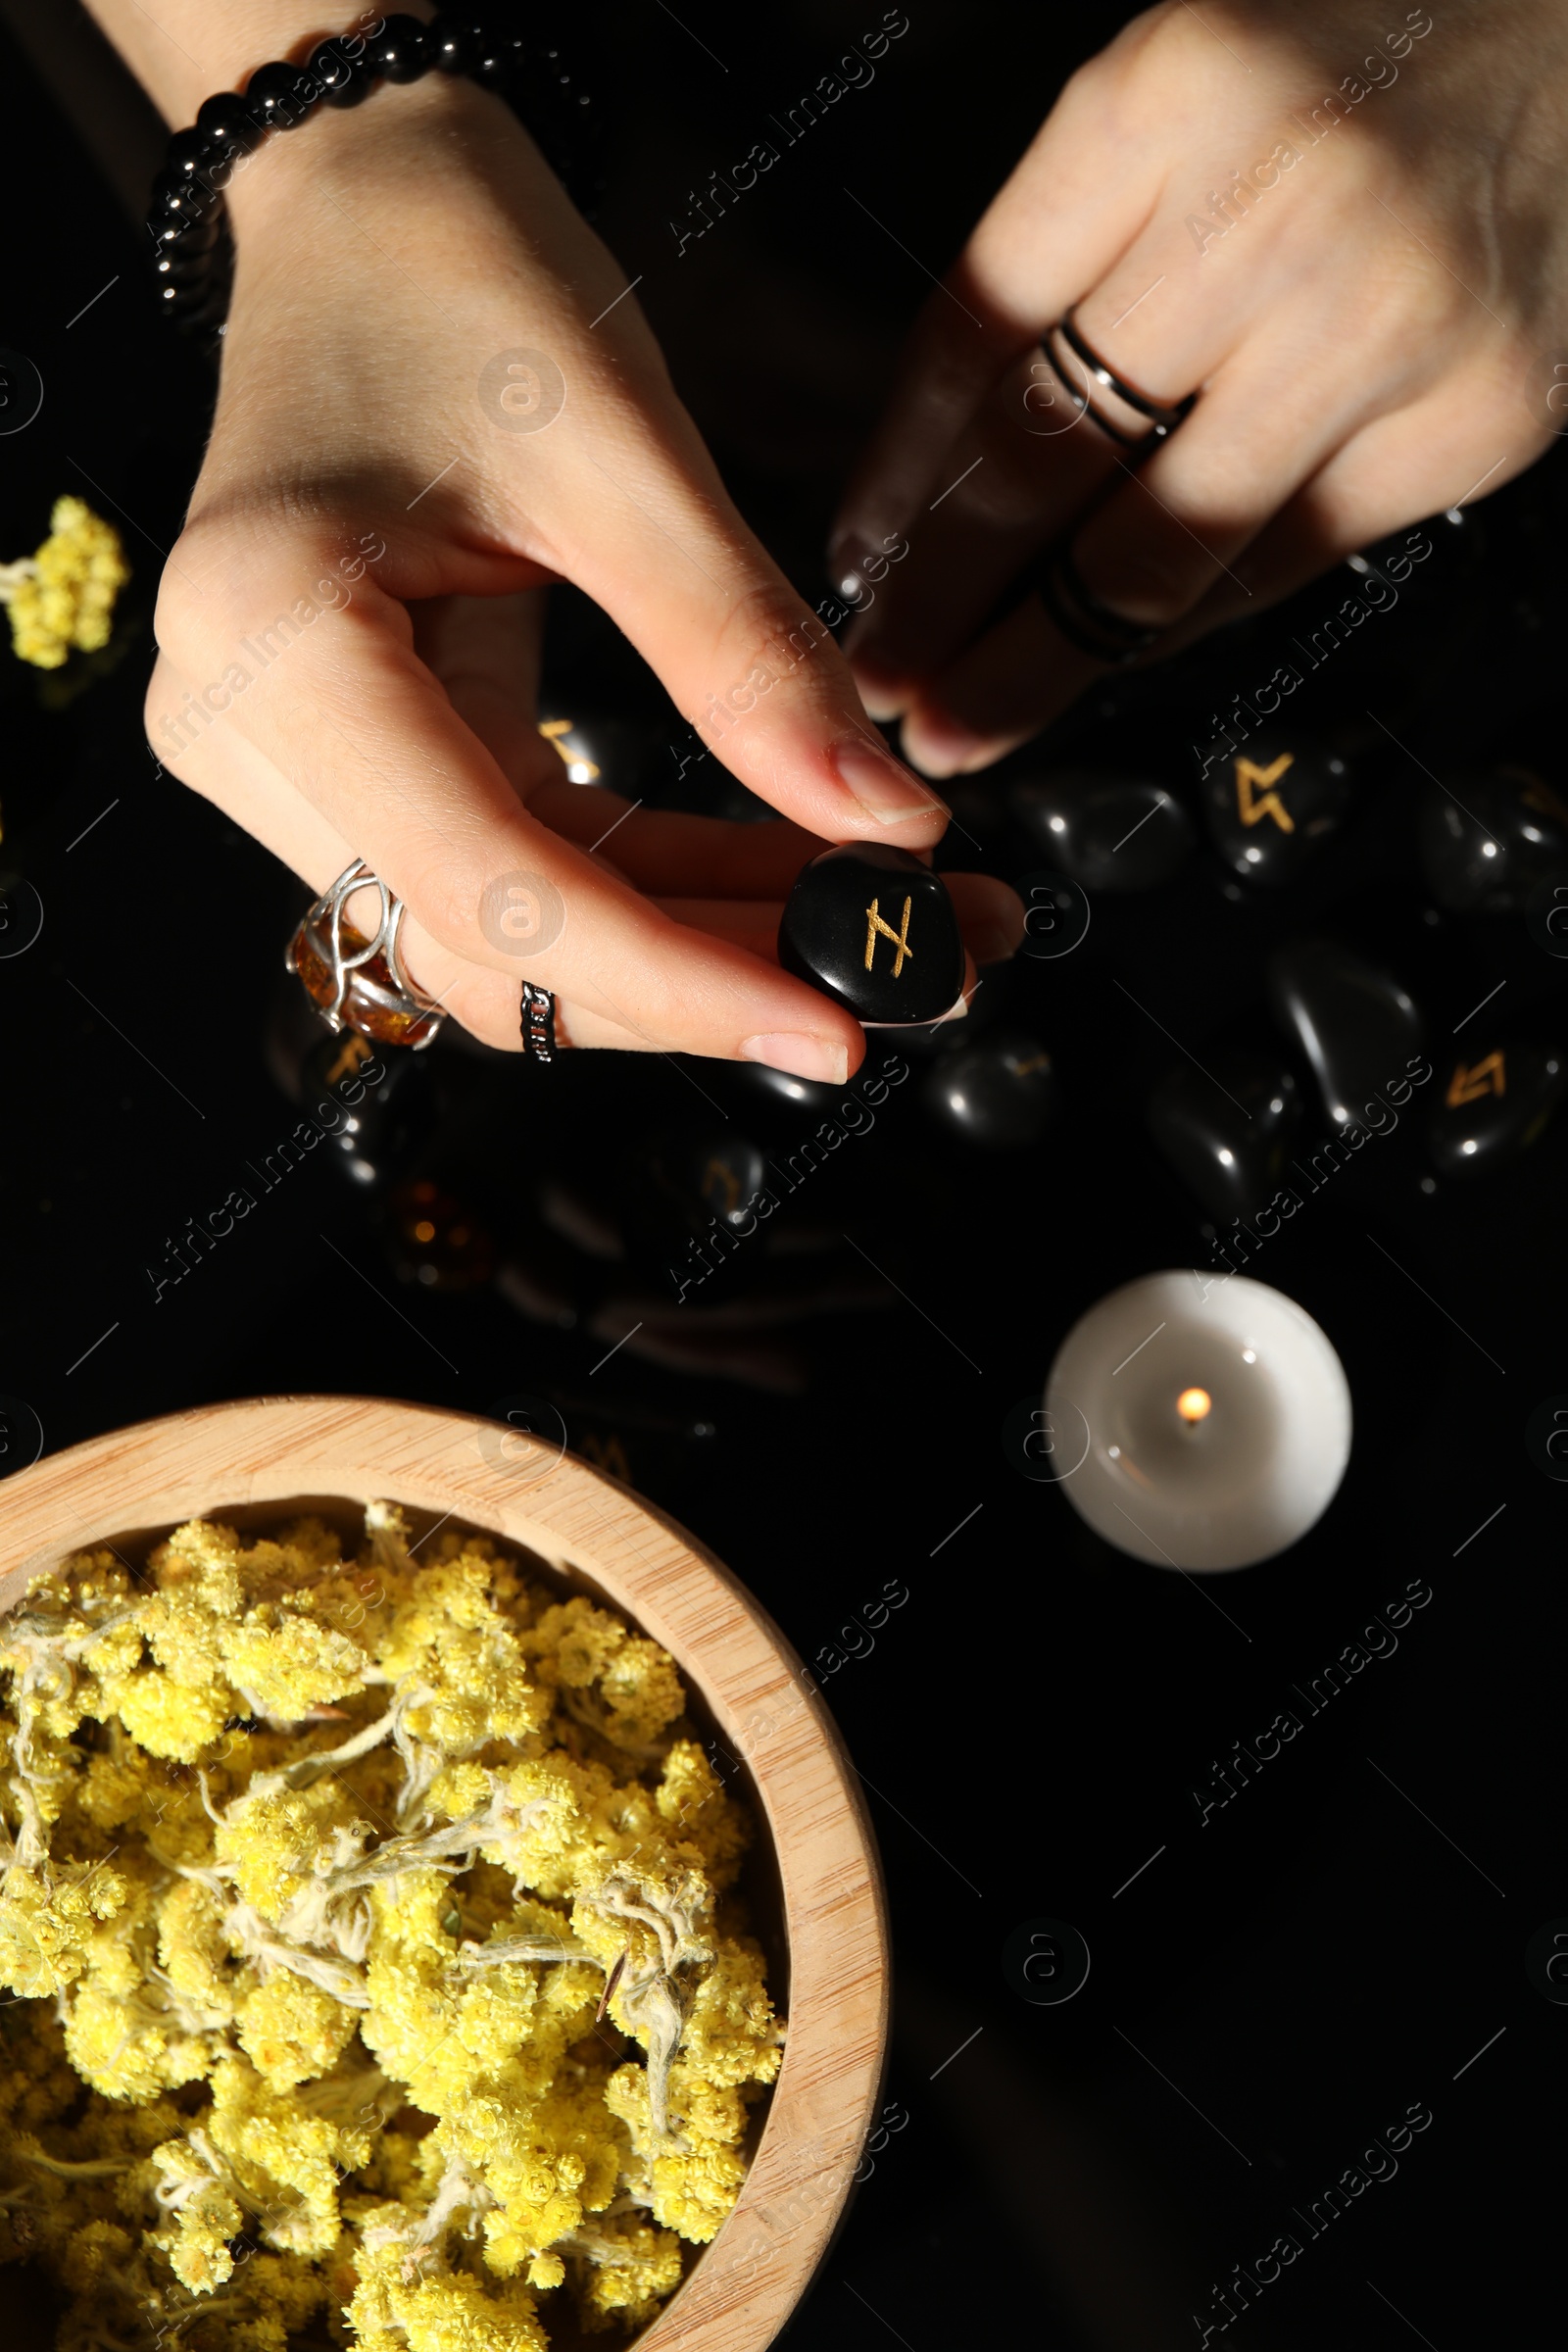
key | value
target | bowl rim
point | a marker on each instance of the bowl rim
(582, 1522)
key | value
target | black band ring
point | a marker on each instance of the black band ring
(1092, 626)
(538, 1022)
(1163, 416)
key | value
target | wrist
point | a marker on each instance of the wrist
(399, 133)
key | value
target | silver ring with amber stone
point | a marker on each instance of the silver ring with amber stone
(355, 981)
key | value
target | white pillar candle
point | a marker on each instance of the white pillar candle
(1199, 1423)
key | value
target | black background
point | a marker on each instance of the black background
(1275, 1989)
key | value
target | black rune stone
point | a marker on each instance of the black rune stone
(1226, 1128)
(1269, 806)
(1494, 1105)
(875, 930)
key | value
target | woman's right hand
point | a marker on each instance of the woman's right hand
(428, 349)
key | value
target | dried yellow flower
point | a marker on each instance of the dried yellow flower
(401, 1875)
(63, 596)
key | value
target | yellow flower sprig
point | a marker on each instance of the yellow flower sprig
(63, 596)
(327, 1906)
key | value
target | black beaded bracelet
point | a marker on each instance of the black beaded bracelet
(188, 220)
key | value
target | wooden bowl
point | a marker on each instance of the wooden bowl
(252, 1461)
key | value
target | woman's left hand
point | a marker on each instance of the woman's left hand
(1353, 248)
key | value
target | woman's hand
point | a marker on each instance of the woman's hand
(1350, 242)
(438, 395)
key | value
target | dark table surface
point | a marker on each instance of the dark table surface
(1271, 1987)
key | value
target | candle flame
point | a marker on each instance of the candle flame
(1194, 1406)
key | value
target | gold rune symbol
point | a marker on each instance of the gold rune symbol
(716, 1179)
(1489, 1077)
(354, 1049)
(899, 938)
(610, 1454)
(586, 771)
(1254, 803)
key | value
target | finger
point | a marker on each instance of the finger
(992, 697)
(1432, 457)
(675, 568)
(664, 851)
(1073, 204)
(626, 503)
(1020, 472)
(240, 780)
(1151, 550)
(356, 721)
(485, 650)
(1014, 478)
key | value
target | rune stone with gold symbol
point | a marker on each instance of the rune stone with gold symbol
(875, 930)
(1271, 801)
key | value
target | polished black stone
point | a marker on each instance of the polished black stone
(340, 74)
(197, 297)
(1000, 1092)
(786, 1099)
(1228, 1129)
(687, 1208)
(380, 1104)
(712, 1176)
(187, 243)
(1105, 832)
(225, 121)
(501, 58)
(1494, 1103)
(400, 51)
(180, 196)
(453, 44)
(1271, 802)
(182, 267)
(622, 757)
(874, 929)
(277, 96)
(1489, 838)
(167, 229)
(1355, 1025)
(188, 152)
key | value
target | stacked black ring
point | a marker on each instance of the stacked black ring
(193, 251)
(1096, 629)
(1162, 416)
(1092, 626)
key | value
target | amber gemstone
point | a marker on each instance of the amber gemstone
(361, 1010)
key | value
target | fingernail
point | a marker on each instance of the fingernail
(941, 747)
(800, 1054)
(886, 791)
(991, 943)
